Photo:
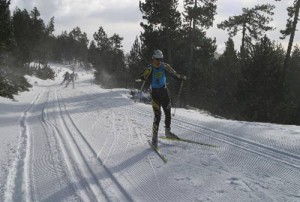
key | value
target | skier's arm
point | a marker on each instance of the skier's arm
(170, 70)
(145, 75)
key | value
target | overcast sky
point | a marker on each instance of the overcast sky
(123, 17)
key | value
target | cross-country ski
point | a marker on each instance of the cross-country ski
(188, 141)
(156, 150)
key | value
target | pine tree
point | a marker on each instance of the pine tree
(199, 14)
(293, 74)
(252, 22)
(37, 36)
(108, 59)
(161, 27)
(228, 77)
(291, 28)
(135, 61)
(6, 28)
(101, 39)
(78, 44)
(261, 91)
(22, 35)
(6, 89)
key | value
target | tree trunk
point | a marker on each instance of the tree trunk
(289, 50)
(190, 67)
(169, 47)
(243, 43)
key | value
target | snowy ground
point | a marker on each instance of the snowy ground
(90, 144)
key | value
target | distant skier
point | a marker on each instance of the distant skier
(71, 78)
(156, 73)
(66, 77)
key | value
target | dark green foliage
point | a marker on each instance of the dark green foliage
(7, 89)
(108, 59)
(22, 35)
(198, 16)
(6, 27)
(71, 46)
(24, 39)
(135, 62)
(161, 27)
(262, 92)
(228, 75)
(44, 72)
(200, 12)
(12, 83)
(291, 28)
(293, 81)
(252, 22)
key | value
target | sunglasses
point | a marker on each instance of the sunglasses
(158, 59)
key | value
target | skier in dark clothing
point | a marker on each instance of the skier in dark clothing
(66, 77)
(156, 73)
(71, 78)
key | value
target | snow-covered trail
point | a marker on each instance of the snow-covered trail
(90, 144)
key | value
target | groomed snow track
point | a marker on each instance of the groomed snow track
(90, 144)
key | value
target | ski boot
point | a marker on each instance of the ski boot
(169, 134)
(154, 142)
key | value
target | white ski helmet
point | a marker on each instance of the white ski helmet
(158, 54)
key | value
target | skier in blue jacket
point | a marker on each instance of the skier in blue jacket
(156, 73)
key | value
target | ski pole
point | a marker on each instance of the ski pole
(141, 90)
(178, 96)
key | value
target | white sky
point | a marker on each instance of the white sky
(123, 17)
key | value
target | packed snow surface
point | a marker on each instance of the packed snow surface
(90, 144)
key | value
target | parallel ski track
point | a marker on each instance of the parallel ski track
(83, 171)
(287, 168)
(146, 189)
(285, 157)
(17, 184)
(92, 154)
(46, 162)
(79, 171)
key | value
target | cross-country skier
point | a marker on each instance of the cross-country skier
(66, 77)
(71, 78)
(156, 73)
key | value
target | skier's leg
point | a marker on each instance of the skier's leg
(157, 116)
(166, 105)
(68, 82)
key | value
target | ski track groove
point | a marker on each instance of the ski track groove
(41, 165)
(151, 193)
(85, 170)
(17, 176)
(113, 131)
(233, 155)
(246, 147)
(43, 161)
(52, 165)
(265, 150)
(74, 172)
(108, 137)
(132, 176)
(93, 154)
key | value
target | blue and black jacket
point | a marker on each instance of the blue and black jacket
(157, 75)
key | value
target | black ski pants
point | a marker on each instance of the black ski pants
(160, 98)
